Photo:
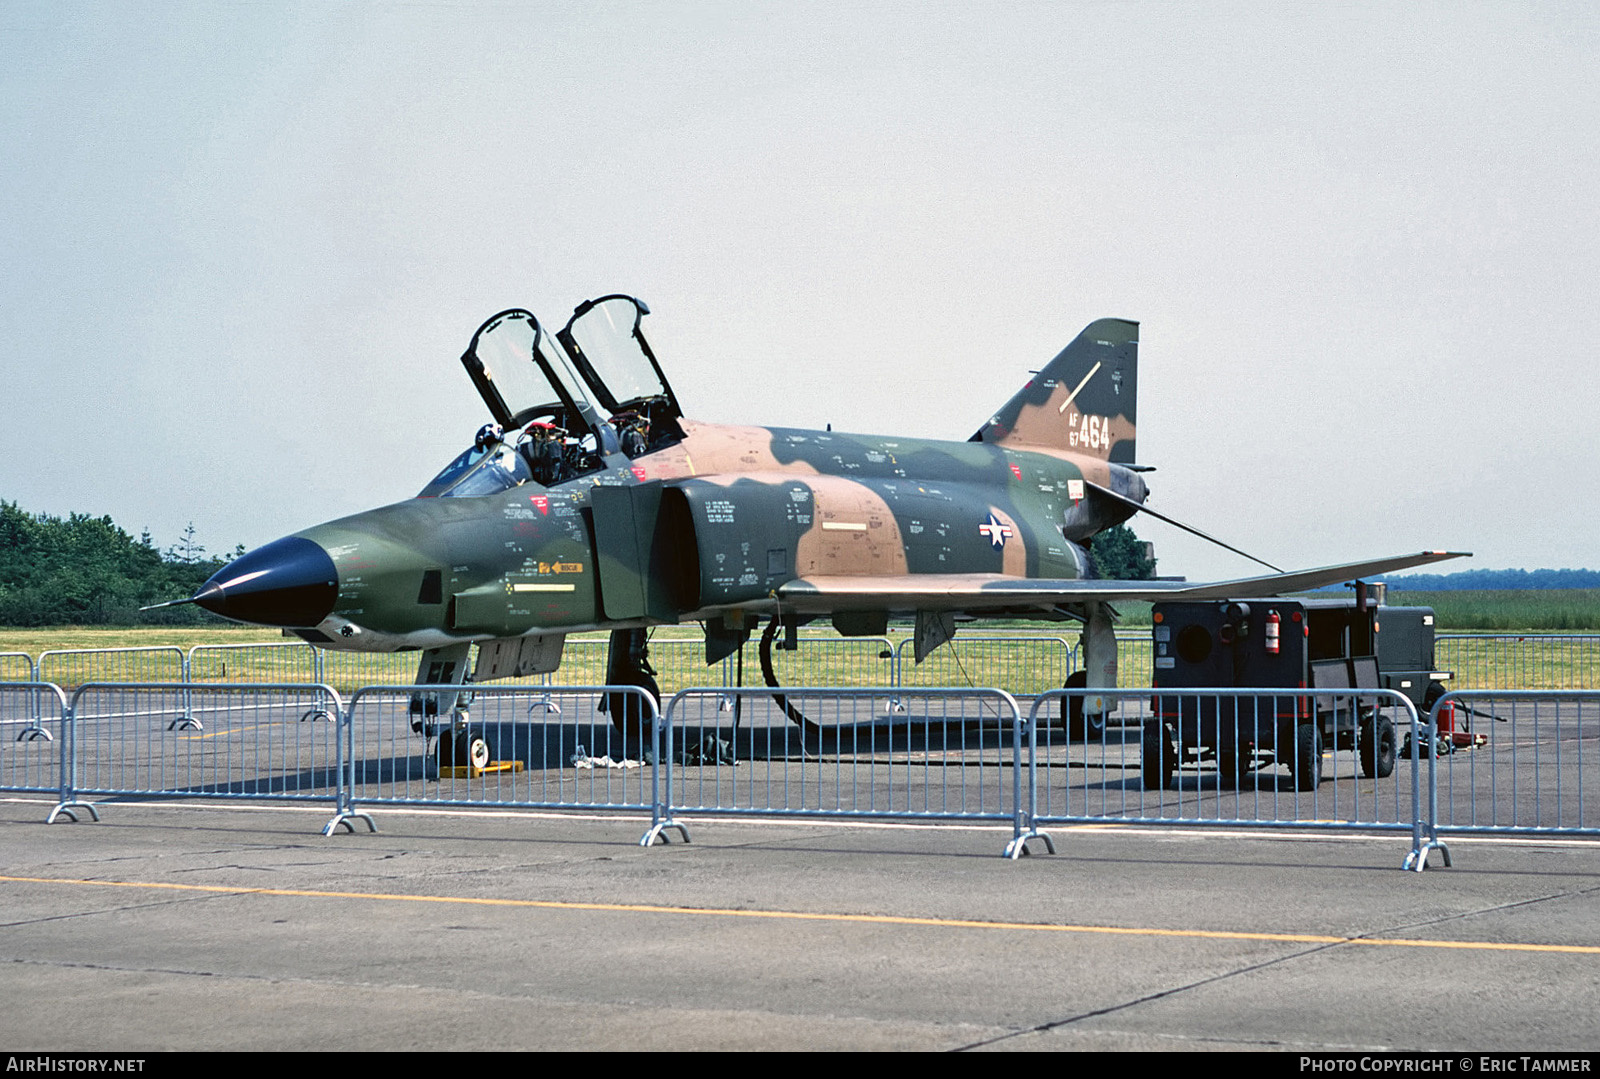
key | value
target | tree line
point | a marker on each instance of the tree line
(85, 571)
(1496, 579)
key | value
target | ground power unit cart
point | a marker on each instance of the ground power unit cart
(1322, 652)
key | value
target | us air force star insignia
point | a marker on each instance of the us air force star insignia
(996, 530)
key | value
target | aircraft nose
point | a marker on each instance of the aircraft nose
(289, 582)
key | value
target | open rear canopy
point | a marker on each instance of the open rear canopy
(614, 359)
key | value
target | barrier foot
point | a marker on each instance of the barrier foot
(1018, 847)
(33, 734)
(186, 723)
(345, 817)
(658, 834)
(65, 809)
(1418, 858)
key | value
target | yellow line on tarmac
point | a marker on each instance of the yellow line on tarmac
(244, 728)
(203, 737)
(807, 916)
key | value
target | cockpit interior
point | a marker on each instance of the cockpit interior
(564, 404)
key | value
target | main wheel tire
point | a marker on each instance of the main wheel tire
(1080, 728)
(1307, 756)
(1233, 767)
(1157, 756)
(625, 709)
(1377, 747)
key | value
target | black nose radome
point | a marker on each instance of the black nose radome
(289, 582)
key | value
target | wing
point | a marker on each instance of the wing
(995, 594)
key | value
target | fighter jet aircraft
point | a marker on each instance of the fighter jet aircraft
(592, 502)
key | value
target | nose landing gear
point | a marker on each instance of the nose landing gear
(462, 747)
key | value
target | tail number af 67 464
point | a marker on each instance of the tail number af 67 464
(1091, 432)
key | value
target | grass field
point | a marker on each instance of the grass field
(34, 641)
(1023, 666)
(1563, 610)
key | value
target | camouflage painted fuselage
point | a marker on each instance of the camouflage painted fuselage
(709, 525)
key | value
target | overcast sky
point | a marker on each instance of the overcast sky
(243, 244)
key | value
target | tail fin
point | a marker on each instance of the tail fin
(1085, 400)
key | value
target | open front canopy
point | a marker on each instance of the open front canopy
(523, 376)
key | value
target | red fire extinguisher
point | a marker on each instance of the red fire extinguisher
(1272, 632)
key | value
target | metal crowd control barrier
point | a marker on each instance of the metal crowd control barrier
(17, 667)
(1134, 660)
(71, 668)
(32, 742)
(1478, 661)
(1487, 761)
(278, 662)
(349, 671)
(1234, 757)
(252, 742)
(1512, 762)
(1520, 661)
(944, 754)
(533, 757)
(1026, 664)
(679, 663)
(583, 662)
(855, 662)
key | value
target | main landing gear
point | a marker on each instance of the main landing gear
(628, 664)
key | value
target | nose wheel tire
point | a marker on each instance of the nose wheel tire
(463, 749)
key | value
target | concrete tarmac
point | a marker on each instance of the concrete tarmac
(182, 926)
